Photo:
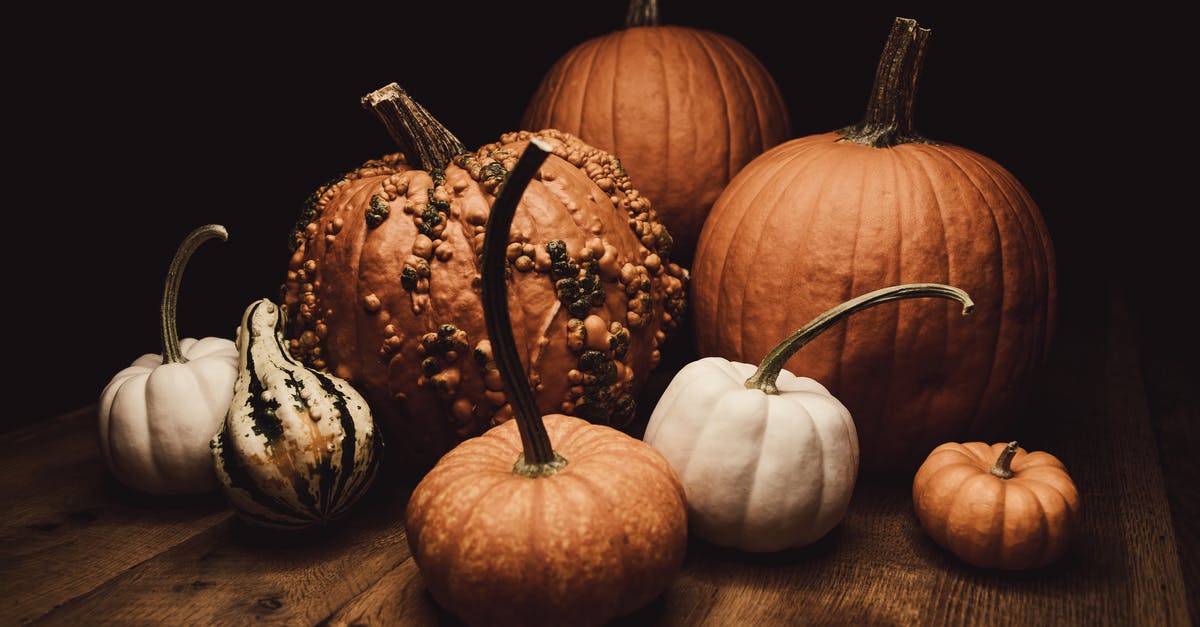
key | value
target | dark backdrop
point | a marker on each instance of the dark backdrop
(125, 131)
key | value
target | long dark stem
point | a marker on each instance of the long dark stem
(768, 371)
(889, 118)
(539, 458)
(1003, 466)
(166, 321)
(423, 140)
(642, 13)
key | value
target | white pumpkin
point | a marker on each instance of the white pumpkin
(768, 459)
(158, 414)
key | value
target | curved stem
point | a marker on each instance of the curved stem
(539, 458)
(768, 371)
(423, 140)
(889, 118)
(642, 13)
(1002, 468)
(166, 322)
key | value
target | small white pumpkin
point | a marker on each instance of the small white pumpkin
(157, 415)
(768, 459)
(299, 447)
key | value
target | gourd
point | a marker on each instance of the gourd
(875, 204)
(156, 416)
(383, 285)
(768, 459)
(298, 447)
(542, 520)
(997, 506)
(684, 108)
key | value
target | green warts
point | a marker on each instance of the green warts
(438, 175)
(377, 212)
(433, 216)
(441, 350)
(408, 278)
(578, 289)
(494, 173)
(603, 400)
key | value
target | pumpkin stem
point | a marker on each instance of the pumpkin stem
(642, 13)
(1002, 467)
(166, 322)
(423, 140)
(539, 458)
(768, 371)
(889, 118)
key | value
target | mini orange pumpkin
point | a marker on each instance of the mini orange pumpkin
(997, 506)
(574, 536)
(684, 108)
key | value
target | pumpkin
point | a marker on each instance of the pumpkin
(768, 459)
(156, 416)
(821, 217)
(383, 284)
(547, 520)
(997, 506)
(684, 108)
(298, 447)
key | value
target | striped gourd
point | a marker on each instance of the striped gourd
(298, 447)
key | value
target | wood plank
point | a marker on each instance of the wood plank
(66, 526)
(235, 573)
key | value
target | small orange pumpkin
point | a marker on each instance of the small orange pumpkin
(997, 506)
(574, 536)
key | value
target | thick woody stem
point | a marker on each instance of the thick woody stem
(539, 458)
(423, 140)
(172, 354)
(889, 118)
(1003, 466)
(768, 371)
(642, 13)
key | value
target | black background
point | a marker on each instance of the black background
(127, 130)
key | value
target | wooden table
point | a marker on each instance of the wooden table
(77, 548)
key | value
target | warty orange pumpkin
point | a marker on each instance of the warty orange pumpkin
(684, 108)
(820, 218)
(383, 286)
(543, 520)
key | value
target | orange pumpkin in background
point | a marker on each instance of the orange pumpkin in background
(383, 285)
(821, 218)
(683, 108)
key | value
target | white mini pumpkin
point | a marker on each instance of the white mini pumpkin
(768, 459)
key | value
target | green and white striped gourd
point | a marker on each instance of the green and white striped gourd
(299, 447)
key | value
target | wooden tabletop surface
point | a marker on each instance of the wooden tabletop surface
(77, 548)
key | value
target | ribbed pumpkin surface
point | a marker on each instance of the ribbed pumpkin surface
(685, 109)
(814, 222)
(596, 540)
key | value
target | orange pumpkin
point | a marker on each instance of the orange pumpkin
(383, 285)
(820, 218)
(684, 108)
(997, 506)
(543, 520)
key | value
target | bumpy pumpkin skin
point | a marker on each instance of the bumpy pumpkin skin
(383, 290)
(598, 540)
(815, 220)
(1023, 522)
(684, 108)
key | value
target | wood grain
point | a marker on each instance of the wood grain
(77, 550)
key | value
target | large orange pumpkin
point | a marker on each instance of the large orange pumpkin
(821, 218)
(383, 285)
(684, 108)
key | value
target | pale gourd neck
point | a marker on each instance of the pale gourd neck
(172, 354)
(426, 144)
(642, 13)
(538, 458)
(768, 371)
(1003, 466)
(889, 118)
